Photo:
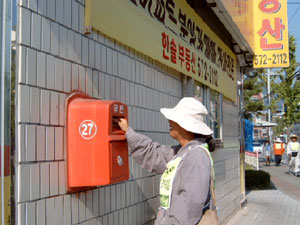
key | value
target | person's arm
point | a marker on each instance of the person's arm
(149, 154)
(194, 183)
(289, 150)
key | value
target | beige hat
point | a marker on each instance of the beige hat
(278, 140)
(190, 114)
(293, 136)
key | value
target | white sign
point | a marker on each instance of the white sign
(119, 108)
(251, 158)
(87, 129)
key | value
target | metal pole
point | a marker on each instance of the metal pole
(269, 109)
(2, 107)
(269, 96)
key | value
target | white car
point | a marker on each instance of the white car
(257, 147)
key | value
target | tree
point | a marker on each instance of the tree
(255, 83)
(289, 91)
(252, 86)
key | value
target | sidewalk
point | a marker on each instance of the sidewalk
(268, 207)
(286, 183)
(272, 207)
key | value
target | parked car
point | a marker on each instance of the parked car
(257, 147)
(261, 141)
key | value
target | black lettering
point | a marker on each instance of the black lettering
(182, 19)
(160, 11)
(170, 5)
(207, 46)
(191, 28)
(134, 2)
(199, 39)
(213, 53)
(144, 3)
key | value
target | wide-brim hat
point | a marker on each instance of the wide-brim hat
(293, 136)
(278, 140)
(190, 114)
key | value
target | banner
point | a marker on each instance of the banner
(270, 34)
(171, 32)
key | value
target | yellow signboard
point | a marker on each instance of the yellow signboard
(170, 32)
(241, 14)
(270, 34)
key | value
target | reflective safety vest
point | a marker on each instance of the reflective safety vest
(295, 146)
(166, 182)
(278, 149)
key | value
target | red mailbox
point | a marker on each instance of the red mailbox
(97, 152)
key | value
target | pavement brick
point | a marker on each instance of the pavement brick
(268, 207)
(280, 206)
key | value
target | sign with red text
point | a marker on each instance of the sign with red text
(271, 34)
(170, 32)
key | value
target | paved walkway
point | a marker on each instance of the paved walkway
(284, 182)
(280, 206)
(269, 207)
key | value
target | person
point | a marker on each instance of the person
(185, 192)
(293, 149)
(278, 151)
(267, 152)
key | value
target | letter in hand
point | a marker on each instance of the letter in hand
(123, 123)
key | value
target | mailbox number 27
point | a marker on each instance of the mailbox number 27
(87, 129)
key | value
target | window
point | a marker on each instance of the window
(215, 113)
(199, 92)
(213, 102)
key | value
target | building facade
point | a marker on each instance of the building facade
(58, 54)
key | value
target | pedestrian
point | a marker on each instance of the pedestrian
(278, 151)
(293, 149)
(267, 152)
(185, 185)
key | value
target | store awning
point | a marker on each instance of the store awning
(264, 124)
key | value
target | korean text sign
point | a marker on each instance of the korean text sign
(270, 34)
(171, 32)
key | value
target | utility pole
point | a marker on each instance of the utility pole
(269, 96)
(269, 108)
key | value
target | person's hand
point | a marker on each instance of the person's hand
(123, 123)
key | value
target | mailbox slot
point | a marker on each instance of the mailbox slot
(115, 125)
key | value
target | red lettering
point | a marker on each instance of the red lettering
(173, 51)
(277, 33)
(264, 6)
(165, 44)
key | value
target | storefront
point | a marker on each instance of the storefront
(147, 54)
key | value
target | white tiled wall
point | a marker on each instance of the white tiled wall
(54, 58)
(227, 165)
